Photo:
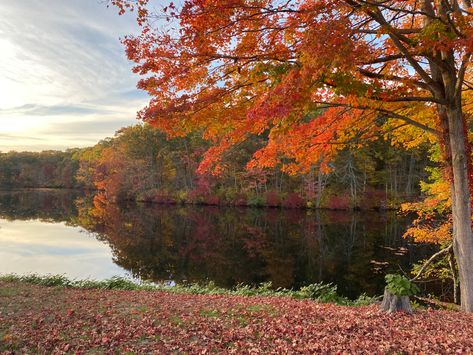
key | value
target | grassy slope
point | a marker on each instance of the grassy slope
(39, 319)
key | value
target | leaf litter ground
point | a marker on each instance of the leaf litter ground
(38, 319)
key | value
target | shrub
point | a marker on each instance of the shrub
(241, 200)
(256, 201)
(339, 202)
(293, 200)
(164, 199)
(182, 197)
(227, 195)
(364, 300)
(211, 200)
(374, 199)
(399, 285)
(273, 199)
(147, 196)
(321, 292)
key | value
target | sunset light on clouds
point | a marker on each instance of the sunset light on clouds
(64, 77)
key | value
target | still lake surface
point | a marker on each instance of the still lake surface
(82, 236)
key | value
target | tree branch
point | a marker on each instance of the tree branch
(432, 258)
(387, 113)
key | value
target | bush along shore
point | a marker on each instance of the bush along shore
(53, 314)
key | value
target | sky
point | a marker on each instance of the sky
(64, 78)
(44, 248)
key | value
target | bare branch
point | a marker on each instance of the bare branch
(431, 259)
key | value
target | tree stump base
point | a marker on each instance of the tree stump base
(392, 303)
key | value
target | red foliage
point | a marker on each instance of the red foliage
(293, 200)
(211, 200)
(241, 200)
(49, 320)
(338, 202)
(164, 199)
(203, 187)
(273, 199)
(374, 199)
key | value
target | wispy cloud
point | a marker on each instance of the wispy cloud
(82, 129)
(4, 136)
(63, 73)
(55, 110)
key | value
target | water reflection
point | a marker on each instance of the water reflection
(227, 245)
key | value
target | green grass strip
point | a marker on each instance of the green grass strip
(320, 292)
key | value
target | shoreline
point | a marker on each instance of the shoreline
(174, 201)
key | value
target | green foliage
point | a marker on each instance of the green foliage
(326, 293)
(256, 201)
(48, 280)
(438, 269)
(319, 292)
(416, 305)
(47, 169)
(114, 283)
(364, 300)
(400, 285)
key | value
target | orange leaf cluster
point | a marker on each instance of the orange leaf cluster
(311, 76)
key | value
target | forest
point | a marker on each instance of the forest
(47, 169)
(318, 104)
(315, 78)
(316, 155)
(140, 164)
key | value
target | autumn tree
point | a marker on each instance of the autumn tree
(53, 169)
(313, 75)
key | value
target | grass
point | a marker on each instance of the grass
(320, 292)
(8, 292)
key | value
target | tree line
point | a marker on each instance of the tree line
(140, 163)
(47, 169)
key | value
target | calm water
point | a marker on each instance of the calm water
(65, 232)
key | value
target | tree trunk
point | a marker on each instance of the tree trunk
(392, 303)
(451, 262)
(410, 175)
(461, 204)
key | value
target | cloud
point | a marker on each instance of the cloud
(63, 73)
(4, 136)
(55, 110)
(81, 129)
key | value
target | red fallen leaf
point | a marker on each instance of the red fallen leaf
(176, 323)
(70, 312)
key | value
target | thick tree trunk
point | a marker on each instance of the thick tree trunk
(461, 204)
(392, 303)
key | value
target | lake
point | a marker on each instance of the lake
(85, 236)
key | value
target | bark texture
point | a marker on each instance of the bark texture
(461, 206)
(392, 303)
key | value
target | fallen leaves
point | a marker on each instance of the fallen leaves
(48, 320)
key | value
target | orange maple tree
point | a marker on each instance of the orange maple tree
(313, 76)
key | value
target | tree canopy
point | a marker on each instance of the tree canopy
(313, 76)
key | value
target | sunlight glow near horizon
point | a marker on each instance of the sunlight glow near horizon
(64, 78)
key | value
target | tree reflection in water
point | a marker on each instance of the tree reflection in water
(290, 248)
